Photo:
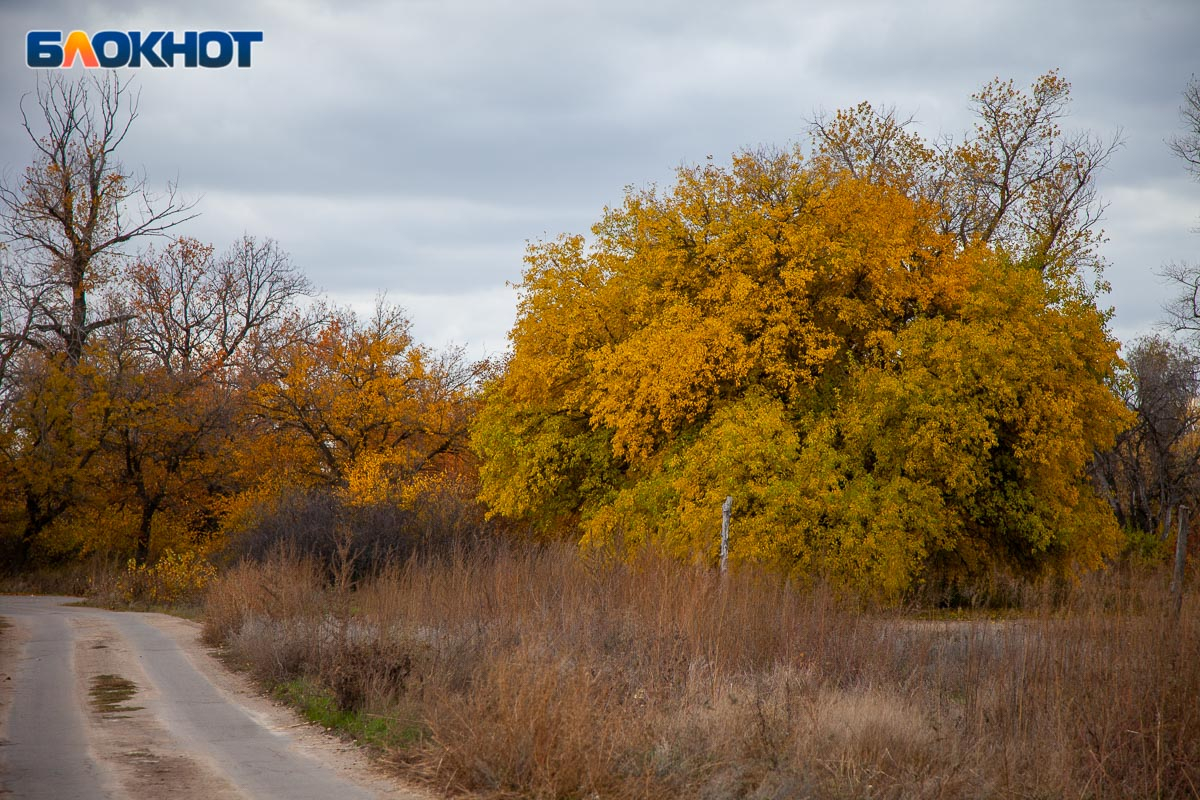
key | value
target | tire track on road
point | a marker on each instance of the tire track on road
(188, 726)
(47, 754)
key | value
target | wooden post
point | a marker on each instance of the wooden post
(726, 511)
(1180, 559)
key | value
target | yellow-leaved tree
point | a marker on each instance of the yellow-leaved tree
(890, 355)
(356, 406)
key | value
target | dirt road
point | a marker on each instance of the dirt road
(101, 704)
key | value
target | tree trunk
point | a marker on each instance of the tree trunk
(77, 330)
(37, 518)
(142, 554)
(1180, 559)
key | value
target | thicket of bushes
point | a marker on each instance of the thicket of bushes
(322, 525)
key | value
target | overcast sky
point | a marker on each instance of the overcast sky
(415, 147)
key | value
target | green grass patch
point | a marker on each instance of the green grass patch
(317, 704)
(189, 611)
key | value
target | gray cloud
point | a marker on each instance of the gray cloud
(416, 147)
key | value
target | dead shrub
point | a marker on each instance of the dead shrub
(366, 673)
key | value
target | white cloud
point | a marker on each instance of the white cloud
(474, 320)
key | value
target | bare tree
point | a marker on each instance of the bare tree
(1187, 144)
(197, 311)
(19, 304)
(66, 221)
(1026, 180)
(1018, 181)
(1167, 378)
(1155, 464)
(1184, 309)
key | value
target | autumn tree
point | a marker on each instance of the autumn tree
(195, 320)
(65, 226)
(55, 421)
(891, 357)
(358, 407)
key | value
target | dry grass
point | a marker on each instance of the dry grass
(91, 578)
(547, 675)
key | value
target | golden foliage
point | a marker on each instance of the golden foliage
(883, 397)
(360, 408)
(175, 576)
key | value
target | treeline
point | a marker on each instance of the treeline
(891, 353)
(171, 396)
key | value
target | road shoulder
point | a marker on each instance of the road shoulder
(344, 758)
